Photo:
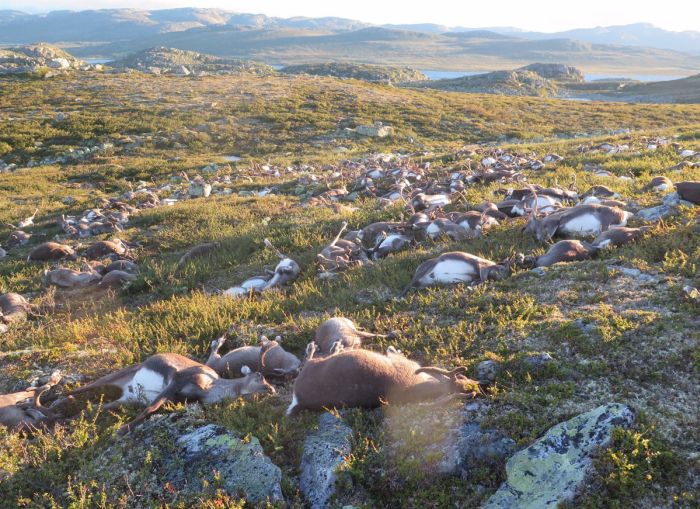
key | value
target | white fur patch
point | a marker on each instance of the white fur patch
(293, 404)
(448, 272)
(604, 244)
(254, 282)
(286, 264)
(586, 224)
(144, 387)
(391, 238)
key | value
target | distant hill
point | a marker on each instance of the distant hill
(175, 61)
(365, 72)
(481, 50)
(533, 80)
(37, 57)
(638, 34)
(114, 33)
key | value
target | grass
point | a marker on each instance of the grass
(613, 337)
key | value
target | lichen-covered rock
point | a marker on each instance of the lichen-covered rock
(656, 213)
(184, 452)
(549, 471)
(324, 451)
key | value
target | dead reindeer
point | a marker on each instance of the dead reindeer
(20, 418)
(422, 201)
(51, 251)
(370, 234)
(473, 221)
(26, 222)
(490, 209)
(545, 204)
(287, 270)
(123, 265)
(13, 308)
(446, 228)
(341, 253)
(619, 236)
(456, 267)
(173, 377)
(269, 358)
(601, 192)
(340, 330)
(689, 191)
(116, 279)
(18, 238)
(659, 184)
(197, 252)
(602, 201)
(69, 278)
(562, 251)
(590, 219)
(366, 379)
(107, 248)
(391, 243)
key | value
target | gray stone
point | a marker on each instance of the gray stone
(473, 446)
(324, 451)
(186, 453)
(656, 213)
(198, 189)
(486, 371)
(549, 471)
(635, 273)
(537, 360)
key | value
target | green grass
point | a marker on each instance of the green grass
(613, 338)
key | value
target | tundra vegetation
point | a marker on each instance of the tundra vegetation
(619, 327)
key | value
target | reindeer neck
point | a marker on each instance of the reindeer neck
(223, 388)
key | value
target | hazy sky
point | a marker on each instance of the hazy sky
(540, 15)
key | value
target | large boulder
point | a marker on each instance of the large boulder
(324, 451)
(183, 451)
(549, 471)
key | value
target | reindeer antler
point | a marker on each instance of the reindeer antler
(269, 245)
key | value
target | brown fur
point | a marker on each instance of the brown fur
(343, 330)
(13, 308)
(198, 251)
(361, 378)
(51, 251)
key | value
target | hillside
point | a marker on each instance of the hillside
(587, 369)
(174, 61)
(37, 57)
(365, 72)
(686, 90)
(374, 45)
(544, 80)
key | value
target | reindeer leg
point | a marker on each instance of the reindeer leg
(162, 398)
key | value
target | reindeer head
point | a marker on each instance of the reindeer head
(255, 382)
(455, 380)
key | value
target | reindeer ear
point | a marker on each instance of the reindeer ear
(245, 370)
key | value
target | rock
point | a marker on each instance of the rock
(486, 371)
(3, 328)
(692, 293)
(186, 452)
(656, 213)
(474, 447)
(635, 273)
(539, 271)
(324, 451)
(549, 471)
(198, 189)
(538, 360)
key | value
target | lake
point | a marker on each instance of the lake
(442, 75)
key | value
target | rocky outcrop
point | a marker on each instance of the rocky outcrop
(365, 72)
(549, 471)
(324, 451)
(533, 80)
(34, 58)
(184, 452)
(179, 62)
(557, 72)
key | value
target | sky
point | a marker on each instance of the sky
(538, 15)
